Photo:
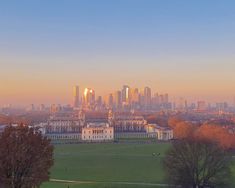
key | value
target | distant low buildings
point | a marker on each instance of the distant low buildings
(97, 132)
(164, 133)
(201, 106)
(161, 133)
(96, 127)
(64, 126)
(128, 122)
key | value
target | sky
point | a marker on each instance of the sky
(184, 48)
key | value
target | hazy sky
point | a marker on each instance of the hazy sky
(185, 48)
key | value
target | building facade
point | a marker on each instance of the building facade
(76, 96)
(97, 127)
(65, 126)
(96, 132)
(127, 122)
(162, 133)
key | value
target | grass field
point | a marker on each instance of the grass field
(108, 166)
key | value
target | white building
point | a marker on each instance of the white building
(162, 133)
(97, 132)
(65, 124)
(127, 122)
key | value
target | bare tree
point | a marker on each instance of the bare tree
(194, 163)
(25, 157)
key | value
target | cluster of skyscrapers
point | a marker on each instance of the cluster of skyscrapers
(126, 98)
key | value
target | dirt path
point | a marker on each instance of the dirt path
(115, 182)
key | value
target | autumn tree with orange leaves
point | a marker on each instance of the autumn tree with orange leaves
(217, 134)
(183, 130)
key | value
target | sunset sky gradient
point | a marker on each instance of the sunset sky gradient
(185, 48)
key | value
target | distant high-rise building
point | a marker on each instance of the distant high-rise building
(111, 101)
(55, 108)
(161, 99)
(147, 96)
(155, 99)
(125, 94)
(76, 96)
(99, 101)
(135, 96)
(89, 97)
(166, 98)
(118, 99)
(185, 104)
(182, 104)
(221, 106)
(31, 107)
(42, 107)
(201, 105)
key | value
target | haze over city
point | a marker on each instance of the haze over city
(117, 94)
(182, 48)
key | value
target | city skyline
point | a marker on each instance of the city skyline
(65, 96)
(48, 47)
(75, 94)
(125, 95)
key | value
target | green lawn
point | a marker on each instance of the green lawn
(103, 163)
(108, 165)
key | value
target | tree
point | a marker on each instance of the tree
(25, 157)
(217, 134)
(172, 121)
(192, 163)
(183, 130)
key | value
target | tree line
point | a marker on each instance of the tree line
(200, 156)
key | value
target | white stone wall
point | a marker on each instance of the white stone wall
(97, 133)
(165, 134)
(66, 136)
